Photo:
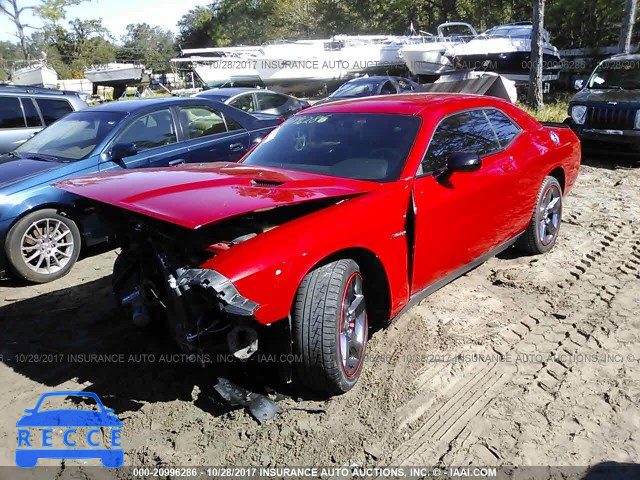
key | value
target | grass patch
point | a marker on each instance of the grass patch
(554, 110)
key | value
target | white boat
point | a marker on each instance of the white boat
(114, 74)
(39, 74)
(297, 66)
(430, 56)
(221, 66)
(506, 50)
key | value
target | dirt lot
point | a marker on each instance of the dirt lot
(525, 361)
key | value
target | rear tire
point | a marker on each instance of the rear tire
(542, 231)
(42, 246)
(330, 327)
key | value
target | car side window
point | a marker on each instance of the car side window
(150, 131)
(271, 100)
(11, 113)
(404, 85)
(202, 121)
(31, 113)
(466, 132)
(506, 130)
(52, 109)
(245, 103)
(232, 124)
(388, 88)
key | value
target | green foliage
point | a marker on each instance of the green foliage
(573, 23)
(70, 51)
(9, 53)
(54, 10)
(148, 45)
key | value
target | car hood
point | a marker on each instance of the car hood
(592, 95)
(14, 169)
(196, 195)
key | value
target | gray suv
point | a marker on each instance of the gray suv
(25, 111)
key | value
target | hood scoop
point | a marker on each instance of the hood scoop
(258, 182)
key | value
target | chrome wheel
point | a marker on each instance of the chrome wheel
(47, 246)
(353, 326)
(549, 215)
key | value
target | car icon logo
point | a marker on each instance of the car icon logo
(36, 435)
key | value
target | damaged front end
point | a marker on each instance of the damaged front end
(158, 278)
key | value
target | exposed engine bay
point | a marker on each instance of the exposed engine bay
(157, 277)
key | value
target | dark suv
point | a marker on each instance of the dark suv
(25, 111)
(605, 114)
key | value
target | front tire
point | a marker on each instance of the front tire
(330, 327)
(542, 231)
(42, 246)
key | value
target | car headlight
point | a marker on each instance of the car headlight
(637, 124)
(579, 114)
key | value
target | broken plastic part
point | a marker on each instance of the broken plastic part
(234, 303)
(260, 406)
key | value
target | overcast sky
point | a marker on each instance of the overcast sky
(117, 14)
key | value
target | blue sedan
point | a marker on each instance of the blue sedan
(40, 229)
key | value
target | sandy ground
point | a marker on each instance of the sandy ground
(523, 361)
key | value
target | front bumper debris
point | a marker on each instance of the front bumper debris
(233, 302)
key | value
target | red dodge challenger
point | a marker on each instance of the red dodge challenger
(342, 218)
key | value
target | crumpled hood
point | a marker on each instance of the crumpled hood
(200, 194)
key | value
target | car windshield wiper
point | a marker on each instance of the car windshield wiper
(40, 156)
(612, 87)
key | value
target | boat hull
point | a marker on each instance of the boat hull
(116, 76)
(513, 65)
(35, 76)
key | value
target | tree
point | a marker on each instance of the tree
(537, 42)
(9, 52)
(49, 10)
(85, 43)
(628, 19)
(151, 46)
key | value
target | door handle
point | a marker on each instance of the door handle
(177, 161)
(236, 147)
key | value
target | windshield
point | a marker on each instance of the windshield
(73, 137)
(617, 75)
(356, 89)
(363, 146)
(511, 31)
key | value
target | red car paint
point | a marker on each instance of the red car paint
(454, 226)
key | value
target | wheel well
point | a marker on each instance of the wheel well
(558, 174)
(376, 284)
(66, 209)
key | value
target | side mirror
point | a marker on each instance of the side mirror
(578, 84)
(120, 151)
(463, 162)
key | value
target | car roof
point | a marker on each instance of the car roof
(406, 104)
(134, 106)
(375, 78)
(229, 92)
(39, 91)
